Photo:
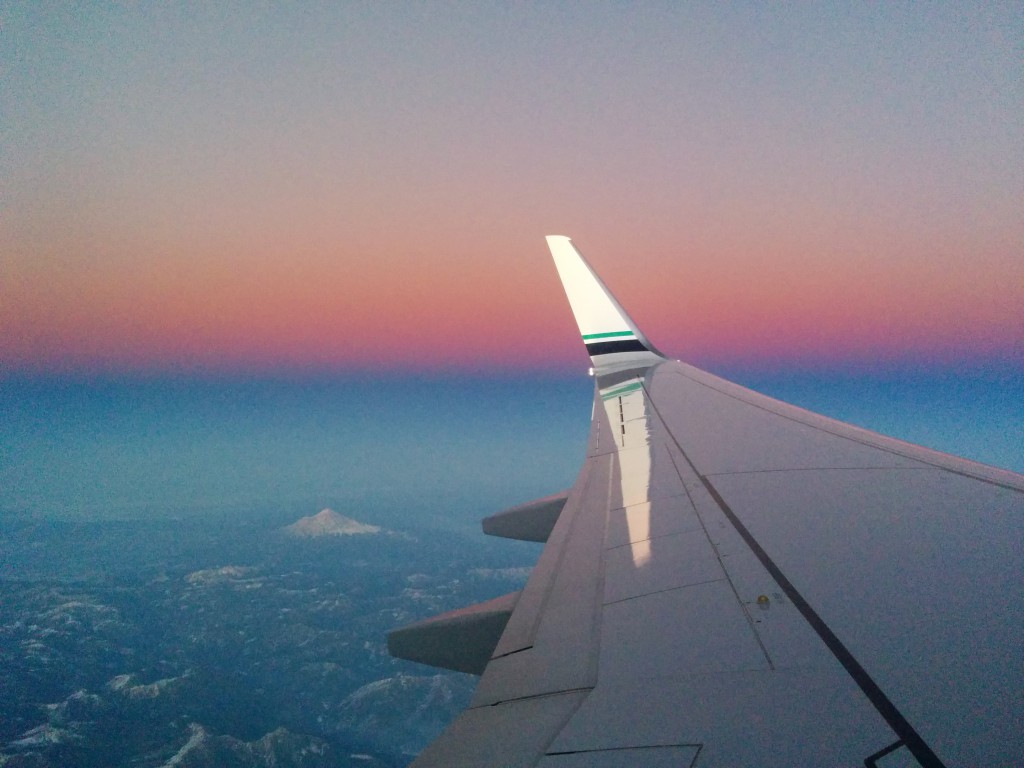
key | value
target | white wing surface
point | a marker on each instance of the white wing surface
(734, 581)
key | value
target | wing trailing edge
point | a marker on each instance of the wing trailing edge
(462, 640)
(532, 521)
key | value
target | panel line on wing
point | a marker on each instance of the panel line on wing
(511, 653)
(671, 589)
(648, 538)
(532, 697)
(718, 556)
(899, 724)
(825, 469)
(624, 749)
(682, 755)
(869, 440)
(871, 761)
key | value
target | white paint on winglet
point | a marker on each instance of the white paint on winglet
(599, 316)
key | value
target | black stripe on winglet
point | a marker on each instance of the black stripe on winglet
(622, 345)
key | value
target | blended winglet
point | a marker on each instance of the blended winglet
(610, 335)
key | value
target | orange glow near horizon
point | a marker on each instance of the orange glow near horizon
(369, 187)
(458, 310)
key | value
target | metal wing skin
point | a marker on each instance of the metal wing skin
(734, 581)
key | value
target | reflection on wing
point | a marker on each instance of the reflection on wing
(626, 412)
(736, 581)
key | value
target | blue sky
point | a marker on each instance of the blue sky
(422, 452)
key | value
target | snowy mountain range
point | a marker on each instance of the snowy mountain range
(327, 522)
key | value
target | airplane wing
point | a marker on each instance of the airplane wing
(734, 581)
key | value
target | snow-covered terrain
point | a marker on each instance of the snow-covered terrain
(228, 645)
(327, 522)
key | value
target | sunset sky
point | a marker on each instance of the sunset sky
(353, 186)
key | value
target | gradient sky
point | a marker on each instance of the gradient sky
(265, 186)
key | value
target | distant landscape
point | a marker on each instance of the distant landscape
(203, 572)
(190, 644)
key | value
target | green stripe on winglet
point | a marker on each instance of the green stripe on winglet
(632, 387)
(612, 334)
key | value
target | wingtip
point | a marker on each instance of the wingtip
(610, 335)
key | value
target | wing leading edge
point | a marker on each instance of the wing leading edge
(736, 581)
